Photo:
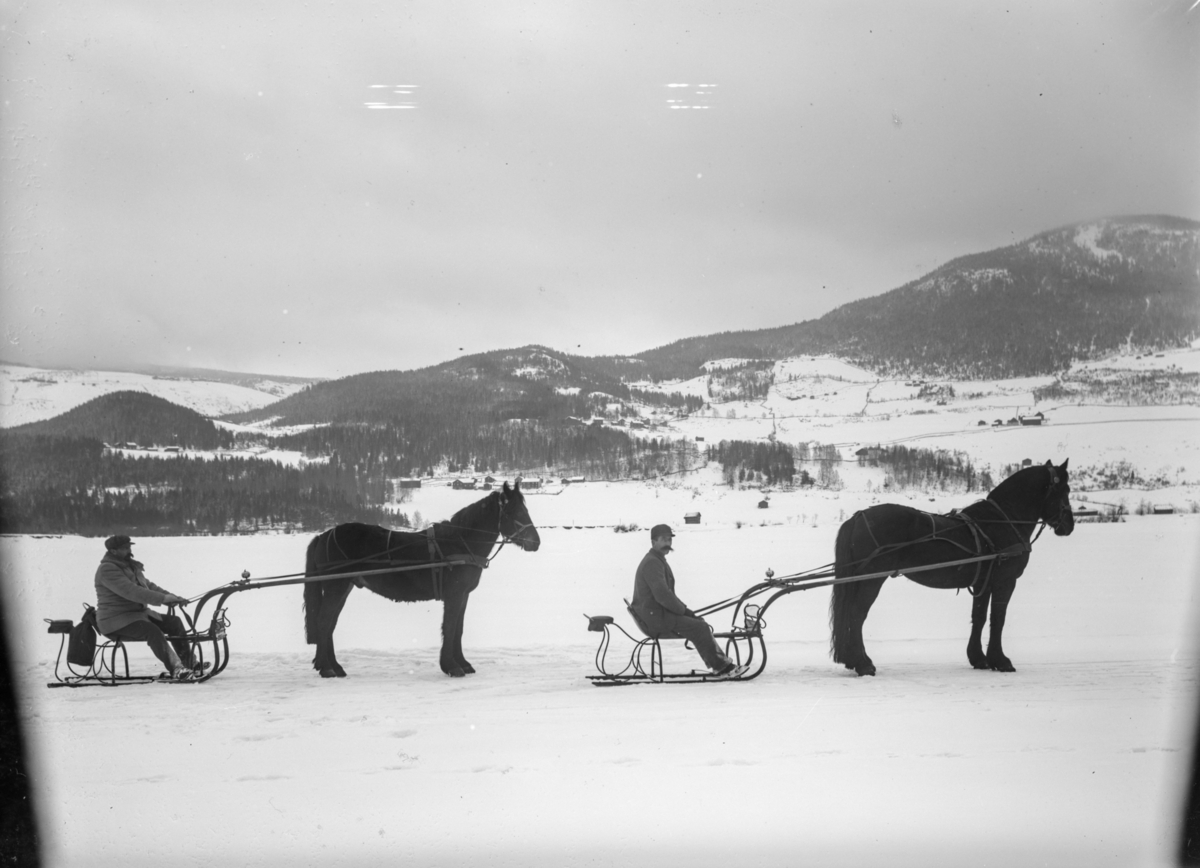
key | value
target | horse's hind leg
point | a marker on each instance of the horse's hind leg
(979, 608)
(850, 604)
(333, 598)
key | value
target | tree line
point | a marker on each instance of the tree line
(926, 468)
(54, 484)
(75, 485)
(754, 463)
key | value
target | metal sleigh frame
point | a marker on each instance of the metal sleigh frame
(744, 642)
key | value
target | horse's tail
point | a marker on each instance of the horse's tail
(312, 593)
(842, 598)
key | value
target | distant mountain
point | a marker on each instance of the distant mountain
(1069, 294)
(123, 417)
(1072, 293)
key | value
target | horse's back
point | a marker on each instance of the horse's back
(893, 535)
(889, 523)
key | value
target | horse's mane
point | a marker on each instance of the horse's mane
(469, 515)
(1023, 480)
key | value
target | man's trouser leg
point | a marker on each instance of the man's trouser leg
(172, 627)
(148, 632)
(696, 631)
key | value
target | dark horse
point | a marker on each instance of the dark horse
(895, 538)
(456, 551)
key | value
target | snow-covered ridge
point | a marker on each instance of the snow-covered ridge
(29, 394)
(1087, 238)
(972, 279)
(536, 366)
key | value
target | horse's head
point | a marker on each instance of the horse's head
(515, 523)
(1056, 507)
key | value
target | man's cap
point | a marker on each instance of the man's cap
(117, 542)
(661, 530)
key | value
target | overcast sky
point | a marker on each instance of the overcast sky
(327, 189)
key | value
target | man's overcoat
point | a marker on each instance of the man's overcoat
(124, 594)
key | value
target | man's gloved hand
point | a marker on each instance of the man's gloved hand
(175, 600)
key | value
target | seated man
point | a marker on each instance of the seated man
(662, 612)
(123, 598)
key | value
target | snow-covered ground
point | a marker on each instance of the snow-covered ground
(1075, 759)
(33, 394)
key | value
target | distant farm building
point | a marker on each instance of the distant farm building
(1035, 419)
(409, 483)
(764, 503)
(1163, 509)
(468, 484)
(691, 518)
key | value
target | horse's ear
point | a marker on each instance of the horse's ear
(1063, 466)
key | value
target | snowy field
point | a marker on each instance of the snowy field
(1076, 759)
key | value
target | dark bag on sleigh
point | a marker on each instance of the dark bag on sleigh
(81, 645)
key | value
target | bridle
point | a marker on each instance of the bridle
(1053, 490)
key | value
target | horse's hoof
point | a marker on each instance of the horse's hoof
(468, 669)
(455, 672)
(866, 669)
(329, 673)
(1003, 666)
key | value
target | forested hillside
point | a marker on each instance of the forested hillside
(121, 417)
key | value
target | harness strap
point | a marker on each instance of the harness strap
(435, 554)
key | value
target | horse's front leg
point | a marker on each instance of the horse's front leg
(995, 652)
(454, 609)
(979, 609)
